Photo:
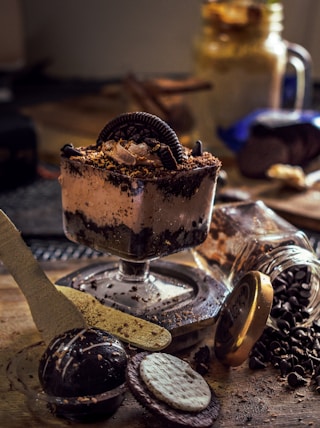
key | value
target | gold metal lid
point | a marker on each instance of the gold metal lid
(243, 318)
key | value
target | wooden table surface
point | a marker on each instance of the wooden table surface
(248, 398)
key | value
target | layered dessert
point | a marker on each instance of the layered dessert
(137, 193)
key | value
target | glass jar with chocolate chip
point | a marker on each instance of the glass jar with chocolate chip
(249, 236)
(240, 50)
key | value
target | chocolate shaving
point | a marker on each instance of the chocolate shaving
(197, 149)
(69, 150)
(167, 157)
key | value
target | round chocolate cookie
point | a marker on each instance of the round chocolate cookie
(82, 373)
(185, 419)
(82, 362)
(141, 127)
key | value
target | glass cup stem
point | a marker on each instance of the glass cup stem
(133, 271)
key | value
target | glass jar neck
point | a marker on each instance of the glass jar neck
(287, 260)
(243, 21)
(280, 259)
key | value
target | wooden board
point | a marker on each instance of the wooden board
(301, 208)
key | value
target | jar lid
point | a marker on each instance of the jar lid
(243, 318)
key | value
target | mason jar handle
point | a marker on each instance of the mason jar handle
(300, 60)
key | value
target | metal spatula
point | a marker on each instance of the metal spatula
(52, 312)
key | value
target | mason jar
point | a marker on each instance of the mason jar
(241, 52)
(249, 236)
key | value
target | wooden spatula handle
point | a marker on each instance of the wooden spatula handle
(52, 312)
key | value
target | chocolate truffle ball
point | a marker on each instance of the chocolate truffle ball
(82, 362)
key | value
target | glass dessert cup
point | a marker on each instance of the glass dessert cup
(139, 221)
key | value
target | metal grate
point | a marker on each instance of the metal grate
(55, 250)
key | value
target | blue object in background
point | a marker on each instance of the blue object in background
(236, 136)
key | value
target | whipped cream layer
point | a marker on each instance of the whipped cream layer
(137, 211)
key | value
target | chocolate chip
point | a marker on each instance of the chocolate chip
(317, 380)
(289, 317)
(316, 345)
(256, 353)
(275, 346)
(282, 287)
(295, 380)
(283, 325)
(202, 360)
(293, 347)
(256, 363)
(285, 367)
(301, 274)
(197, 149)
(299, 369)
(294, 302)
(69, 150)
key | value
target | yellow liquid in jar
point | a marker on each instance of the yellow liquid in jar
(244, 58)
